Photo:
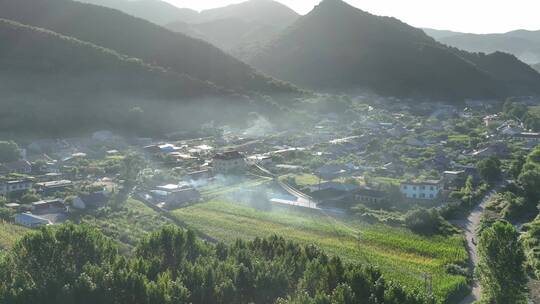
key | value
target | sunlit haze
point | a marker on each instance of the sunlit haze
(479, 16)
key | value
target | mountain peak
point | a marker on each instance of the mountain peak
(338, 47)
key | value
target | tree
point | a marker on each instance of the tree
(30, 197)
(490, 169)
(517, 166)
(9, 151)
(500, 268)
(131, 165)
(43, 263)
(424, 221)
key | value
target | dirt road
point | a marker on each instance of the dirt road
(470, 226)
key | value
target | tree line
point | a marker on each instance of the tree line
(78, 264)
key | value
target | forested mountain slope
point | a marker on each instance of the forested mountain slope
(141, 39)
(338, 47)
(523, 44)
(54, 84)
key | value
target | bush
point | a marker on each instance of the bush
(424, 221)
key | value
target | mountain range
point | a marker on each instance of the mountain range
(236, 28)
(523, 44)
(67, 66)
(141, 39)
(239, 28)
(338, 47)
(55, 83)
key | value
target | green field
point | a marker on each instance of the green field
(9, 233)
(128, 225)
(400, 254)
(302, 179)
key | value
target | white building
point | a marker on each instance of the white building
(425, 190)
(30, 220)
(229, 162)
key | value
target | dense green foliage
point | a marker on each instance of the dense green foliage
(337, 46)
(425, 221)
(9, 151)
(530, 116)
(464, 200)
(511, 207)
(529, 178)
(500, 266)
(531, 244)
(490, 170)
(75, 264)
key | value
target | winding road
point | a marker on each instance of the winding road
(470, 225)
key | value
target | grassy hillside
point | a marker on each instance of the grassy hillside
(400, 254)
(127, 226)
(338, 47)
(9, 234)
(138, 38)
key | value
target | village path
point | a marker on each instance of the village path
(470, 225)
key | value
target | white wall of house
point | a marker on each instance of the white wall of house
(425, 191)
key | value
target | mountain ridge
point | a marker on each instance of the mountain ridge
(138, 38)
(50, 81)
(156, 11)
(524, 44)
(361, 50)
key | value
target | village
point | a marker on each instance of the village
(387, 156)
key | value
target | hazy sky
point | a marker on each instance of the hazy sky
(477, 16)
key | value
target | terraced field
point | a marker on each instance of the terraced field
(400, 254)
(9, 233)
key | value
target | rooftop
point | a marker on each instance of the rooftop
(422, 182)
(230, 155)
(58, 183)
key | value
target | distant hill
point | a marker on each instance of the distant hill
(235, 36)
(239, 27)
(156, 11)
(339, 47)
(523, 44)
(536, 67)
(141, 39)
(53, 83)
(439, 34)
(262, 11)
